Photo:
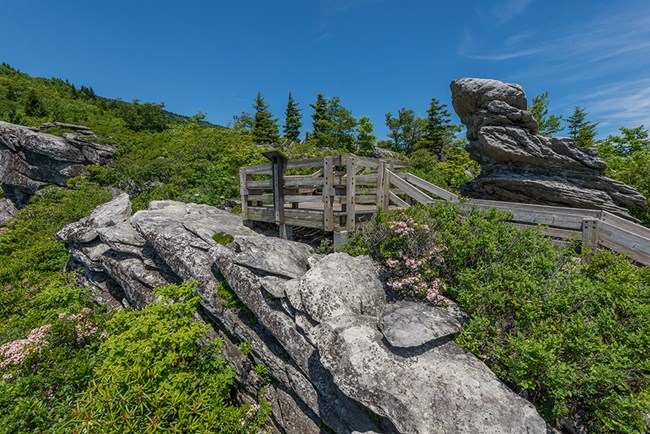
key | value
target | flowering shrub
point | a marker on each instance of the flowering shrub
(412, 254)
(571, 337)
(14, 352)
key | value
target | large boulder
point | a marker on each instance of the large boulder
(31, 160)
(519, 165)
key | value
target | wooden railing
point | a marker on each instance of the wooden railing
(337, 193)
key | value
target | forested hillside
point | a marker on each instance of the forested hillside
(67, 364)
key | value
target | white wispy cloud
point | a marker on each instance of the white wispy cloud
(502, 11)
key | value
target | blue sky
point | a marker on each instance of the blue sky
(376, 55)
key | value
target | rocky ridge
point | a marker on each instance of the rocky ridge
(339, 356)
(519, 165)
(31, 159)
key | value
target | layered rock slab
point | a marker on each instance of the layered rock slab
(519, 165)
(318, 325)
(31, 160)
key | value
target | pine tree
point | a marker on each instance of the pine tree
(438, 131)
(405, 130)
(582, 131)
(292, 119)
(365, 138)
(548, 125)
(321, 124)
(265, 129)
(11, 93)
(33, 105)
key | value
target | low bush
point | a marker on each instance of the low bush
(572, 338)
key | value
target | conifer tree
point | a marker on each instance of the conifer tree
(321, 124)
(548, 124)
(265, 129)
(365, 138)
(292, 120)
(33, 105)
(582, 131)
(438, 131)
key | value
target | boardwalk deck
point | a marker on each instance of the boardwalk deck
(339, 193)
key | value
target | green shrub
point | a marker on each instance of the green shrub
(159, 374)
(573, 338)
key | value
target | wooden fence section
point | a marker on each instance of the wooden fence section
(338, 193)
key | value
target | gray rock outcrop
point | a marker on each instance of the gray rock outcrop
(31, 160)
(519, 165)
(341, 358)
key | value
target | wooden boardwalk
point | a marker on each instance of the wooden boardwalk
(339, 193)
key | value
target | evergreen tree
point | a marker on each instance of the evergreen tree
(365, 138)
(33, 105)
(321, 121)
(265, 129)
(292, 120)
(581, 131)
(438, 132)
(548, 125)
(11, 93)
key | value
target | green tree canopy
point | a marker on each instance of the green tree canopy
(292, 120)
(244, 121)
(265, 129)
(405, 130)
(342, 125)
(582, 131)
(548, 124)
(630, 141)
(365, 137)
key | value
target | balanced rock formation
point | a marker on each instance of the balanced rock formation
(340, 357)
(30, 160)
(519, 165)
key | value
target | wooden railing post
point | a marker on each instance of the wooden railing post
(243, 190)
(350, 193)
(382, 187)
(589, 237)
(328, 193)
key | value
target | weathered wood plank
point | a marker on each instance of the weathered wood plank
(620, 240)
(267, 183)
(540, 216)
(306, 182)
(382, 187)
(564, 234)
(397, 200)
(585, 213)
(259, 169)
(430, 188)
(625, 224)
(300, 198)
(409, 190)
(366, 199)
(307, 162)
(261, 197)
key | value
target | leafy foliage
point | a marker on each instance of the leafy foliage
(158, 374)
(405, 130)
(571, 337)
